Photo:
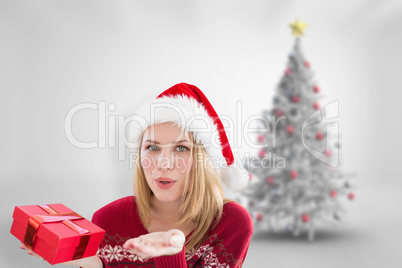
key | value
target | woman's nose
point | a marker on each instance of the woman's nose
(165, 160)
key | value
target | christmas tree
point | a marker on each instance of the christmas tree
(306, 186)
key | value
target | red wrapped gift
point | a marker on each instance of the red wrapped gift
(55, 232)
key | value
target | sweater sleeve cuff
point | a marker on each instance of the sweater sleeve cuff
(174, 261)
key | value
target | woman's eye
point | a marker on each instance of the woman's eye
(152, 147)
(181, 148)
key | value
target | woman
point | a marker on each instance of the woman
(178, 216)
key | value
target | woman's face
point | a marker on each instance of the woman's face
(166, 160)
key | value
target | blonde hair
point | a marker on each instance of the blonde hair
(201, 204)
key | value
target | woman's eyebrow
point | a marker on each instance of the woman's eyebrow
(156, 142)
(152, 141)
(183, 141)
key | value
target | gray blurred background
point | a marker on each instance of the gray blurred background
(57, 54)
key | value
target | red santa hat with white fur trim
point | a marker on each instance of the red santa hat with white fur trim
(188, 107)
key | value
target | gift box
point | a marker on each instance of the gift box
(55, 232)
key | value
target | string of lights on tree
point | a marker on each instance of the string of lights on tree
(295, 195)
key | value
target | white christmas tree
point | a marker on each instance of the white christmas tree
(306, 187)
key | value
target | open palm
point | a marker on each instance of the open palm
(157, 244)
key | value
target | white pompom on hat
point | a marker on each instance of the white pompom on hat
(188, 107)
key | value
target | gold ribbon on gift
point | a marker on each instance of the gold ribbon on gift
(36, 221)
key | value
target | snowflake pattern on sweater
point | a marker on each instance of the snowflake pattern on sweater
(225, 247)
(206, 253)
(118, 253)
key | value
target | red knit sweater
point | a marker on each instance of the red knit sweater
(226, 245)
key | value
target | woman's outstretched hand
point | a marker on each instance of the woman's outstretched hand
(157, 244)
(30, 251)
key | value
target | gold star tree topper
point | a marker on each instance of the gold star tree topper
(298, 28)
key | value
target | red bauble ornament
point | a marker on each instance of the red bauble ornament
(305, 218)
(296, 99)
(294, 174)
(316, 105)
(261, 138)
(319, 136)
(262, 153)
(316, 89)
(307, 64)
(328, 153)
(289, 129)
(351, 196)
(259, 216)
(279, 112)
(333, 194)
(288, 71)
(270, 180)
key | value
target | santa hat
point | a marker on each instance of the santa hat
(187, 107)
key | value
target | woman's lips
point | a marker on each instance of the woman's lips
(165, 179)
(165, 183)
